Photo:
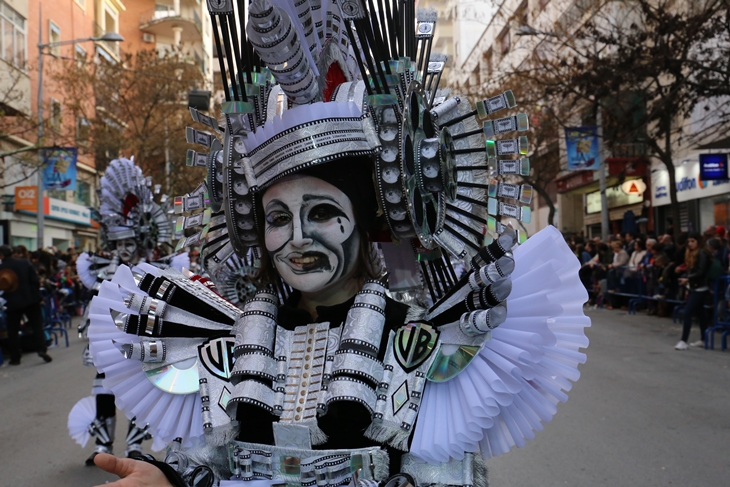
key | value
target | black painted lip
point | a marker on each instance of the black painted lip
(321, 264)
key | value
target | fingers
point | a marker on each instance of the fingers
(118, 466)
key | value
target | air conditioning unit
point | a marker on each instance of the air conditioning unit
(148, 37)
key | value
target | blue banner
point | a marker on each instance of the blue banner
(581, 144)
(59, 168)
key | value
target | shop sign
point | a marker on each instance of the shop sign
(634, 186)
(615, 198)
(688, 183)
(64, 210)
(25, 198)
(581, 144)
(576, 180)
(52, 208)
(713, 167)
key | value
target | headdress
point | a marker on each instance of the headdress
(128, 208)
(316, 82)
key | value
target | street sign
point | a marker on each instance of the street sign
(634, 187)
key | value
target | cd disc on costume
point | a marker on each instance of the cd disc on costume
(179, 378)
(445, 367)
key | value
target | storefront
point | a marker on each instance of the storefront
(579, 199)
(65, 224)
(701, 203)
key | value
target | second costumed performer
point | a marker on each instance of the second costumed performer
(359, 184)
(133, 225)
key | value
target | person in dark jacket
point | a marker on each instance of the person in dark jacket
(21, 288)
(698, 261)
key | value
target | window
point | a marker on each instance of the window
(54, 35)
(12, 36)
(80, 55)
(56, 115)
(111, 24)
(57, 194)
(82, 130)
(488, 62)
(82, 195)
(504, 42)
(521, 14)
(81, 3)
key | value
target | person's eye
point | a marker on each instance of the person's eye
(278, 218)
(325, 212)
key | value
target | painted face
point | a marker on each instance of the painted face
(126, 249)
(310, 233)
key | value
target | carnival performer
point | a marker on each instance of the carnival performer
(128, 216)
(357, 184)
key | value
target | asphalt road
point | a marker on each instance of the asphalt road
(642, 414)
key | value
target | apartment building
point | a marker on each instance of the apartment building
(520, 29)
(161, 25)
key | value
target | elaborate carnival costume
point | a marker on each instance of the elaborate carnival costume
(343, 96)
(133, 225)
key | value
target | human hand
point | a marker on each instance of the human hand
(683, 280)
(132, 473)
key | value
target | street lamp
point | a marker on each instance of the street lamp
(108, 37)
(528, 30)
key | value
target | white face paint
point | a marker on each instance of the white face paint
(126, 249)
(310, 233)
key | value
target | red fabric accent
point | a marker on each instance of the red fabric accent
(129, 202)
(335, 77)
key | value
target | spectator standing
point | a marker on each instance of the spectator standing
(21, 286)
(698, 261)
(616, 268)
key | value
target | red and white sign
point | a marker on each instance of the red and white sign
(634, 187)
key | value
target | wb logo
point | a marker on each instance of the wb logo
(414, 343)
(217, 356)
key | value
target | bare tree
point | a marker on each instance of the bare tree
(140, 109)
(644, 63)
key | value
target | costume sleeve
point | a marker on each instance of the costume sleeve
(501, 392)
(165, 351)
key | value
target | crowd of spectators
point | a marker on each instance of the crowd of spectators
(662, 270)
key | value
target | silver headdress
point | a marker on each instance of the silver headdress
(313, 83)
(128, 207)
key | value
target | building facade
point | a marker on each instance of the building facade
(160, 25)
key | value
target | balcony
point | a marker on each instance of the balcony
(110, 47)
(161, 21)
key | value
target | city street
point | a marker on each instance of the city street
(642, 414)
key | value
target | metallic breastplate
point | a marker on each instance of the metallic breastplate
(309, 367)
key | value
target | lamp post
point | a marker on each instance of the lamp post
(108, 37)
(528, 30)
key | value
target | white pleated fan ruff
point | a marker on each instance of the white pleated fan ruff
(514, 384)
(169, 416)
(180, 261)
(80, 418)
(83, 269)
